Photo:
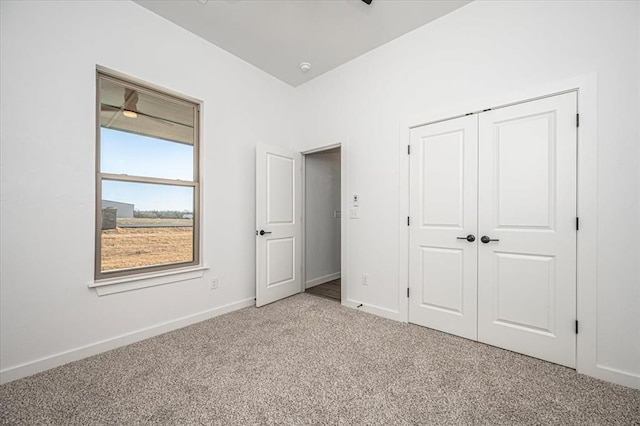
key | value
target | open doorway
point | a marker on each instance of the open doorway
(322, 223)
(282, 252)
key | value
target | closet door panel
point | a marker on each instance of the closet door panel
(443, 191)
(527, 208)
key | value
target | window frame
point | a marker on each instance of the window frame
(128, 82)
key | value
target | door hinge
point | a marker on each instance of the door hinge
(577, 120)
(408, 221)
(576, 326)
(577, 223)
(408, 149)
(407, 291)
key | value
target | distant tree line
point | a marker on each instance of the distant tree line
(161, 214)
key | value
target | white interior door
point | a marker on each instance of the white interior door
(443, 194)
(527, 203)
(278, 224)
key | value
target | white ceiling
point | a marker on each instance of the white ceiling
(277, 35)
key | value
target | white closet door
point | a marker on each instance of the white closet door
(527, 203)
(443, 194)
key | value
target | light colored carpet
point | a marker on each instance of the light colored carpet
(308, 360)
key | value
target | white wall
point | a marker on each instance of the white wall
(474, 53)
(322, 228)
(49, 55)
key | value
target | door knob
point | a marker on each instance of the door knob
(263, 232)
(471, 238)
(487, 240)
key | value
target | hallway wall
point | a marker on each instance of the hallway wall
(322, 227)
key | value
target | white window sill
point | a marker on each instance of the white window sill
(118, 285)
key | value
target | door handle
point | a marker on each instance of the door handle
(263, 232)
(487, 240)
(471, 238)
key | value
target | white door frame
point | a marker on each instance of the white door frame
(587, 88)
(343, 218)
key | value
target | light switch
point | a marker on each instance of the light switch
(356, 200)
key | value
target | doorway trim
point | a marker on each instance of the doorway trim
(343, 218)
(587, 207)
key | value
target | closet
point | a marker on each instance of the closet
(492, 243)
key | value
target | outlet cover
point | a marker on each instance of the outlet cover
(365, 279)
(214, 283)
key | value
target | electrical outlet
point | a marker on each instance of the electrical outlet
(214, 283)
(365, 279)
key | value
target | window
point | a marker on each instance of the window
(147, 192)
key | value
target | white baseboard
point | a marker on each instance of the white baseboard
(613, 375)
(321, 280)
(46, 363)
(372, 309)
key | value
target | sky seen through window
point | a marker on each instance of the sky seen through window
(135, 155)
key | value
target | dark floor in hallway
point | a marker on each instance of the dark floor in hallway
(330, 290)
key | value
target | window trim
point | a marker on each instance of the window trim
(143, 271)
(138, 281)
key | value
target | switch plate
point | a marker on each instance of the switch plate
(356, 200)
(354, 213)
(214, 283)
(365, 279)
